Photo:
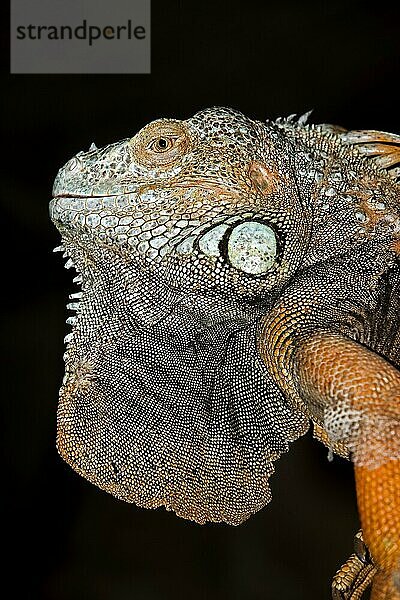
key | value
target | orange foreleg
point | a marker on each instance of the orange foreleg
(361, 394)
(355, 396)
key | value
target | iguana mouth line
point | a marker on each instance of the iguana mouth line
(222, 187)
(70, 195)
(211, 185)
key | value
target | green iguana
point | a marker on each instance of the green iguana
(239, 279)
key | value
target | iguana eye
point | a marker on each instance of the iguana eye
(162, 144)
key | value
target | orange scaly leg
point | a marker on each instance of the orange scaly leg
(362, 395)
(378, 494)
(356, 394)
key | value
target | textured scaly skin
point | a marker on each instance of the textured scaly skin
(239, 279)
(372, 389)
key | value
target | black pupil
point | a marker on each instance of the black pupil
(162, 142)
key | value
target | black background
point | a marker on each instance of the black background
(65, 539)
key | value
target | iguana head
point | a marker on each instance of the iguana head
(181, 235)
(211, 203)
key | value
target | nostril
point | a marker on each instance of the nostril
(74, 165)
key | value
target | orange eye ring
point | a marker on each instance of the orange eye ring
(161, 143)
